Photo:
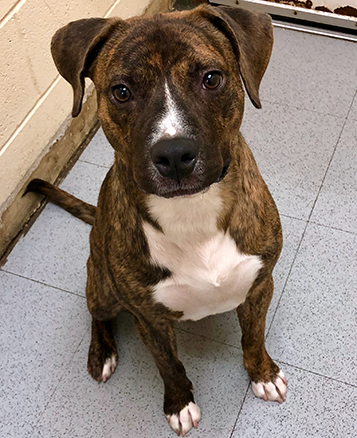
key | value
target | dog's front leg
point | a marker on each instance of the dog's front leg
(180, 409)
(268, 381)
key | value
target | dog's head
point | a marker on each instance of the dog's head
(170, 96)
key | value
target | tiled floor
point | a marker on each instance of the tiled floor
(305, 141)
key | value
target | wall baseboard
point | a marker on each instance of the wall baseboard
(49, 168)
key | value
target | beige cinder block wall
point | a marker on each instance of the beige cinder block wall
(37, 134)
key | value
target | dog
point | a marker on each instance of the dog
(185, 226)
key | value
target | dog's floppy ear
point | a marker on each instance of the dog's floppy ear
(74, 48)
(251, 36)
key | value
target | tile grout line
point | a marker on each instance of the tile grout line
(209, 339)
(353, 101)
(286, 280)
(42, 283)
(59, 381)
(240, 410)
(288, 105)
(276, 360)
(317, 374)
(94, 164)
(333, 228)
(332, 157)
(295, 367)
(292, 217)
(311, 212)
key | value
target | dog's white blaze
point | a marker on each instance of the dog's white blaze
(171, 124)
(209, 274)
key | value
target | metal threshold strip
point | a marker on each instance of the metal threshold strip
(316, 31)
(309, 16)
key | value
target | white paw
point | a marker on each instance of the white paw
(109, 368)
(189, 416)
(275, 390)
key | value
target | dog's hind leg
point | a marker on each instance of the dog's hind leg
(102, 356)
(268, 381)
(104, 307)
(179, 407)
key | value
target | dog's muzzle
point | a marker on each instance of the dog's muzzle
(175, 158)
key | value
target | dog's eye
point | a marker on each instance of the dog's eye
(212, 80)
(121, 93)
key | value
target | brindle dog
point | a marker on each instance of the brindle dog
(185, 226)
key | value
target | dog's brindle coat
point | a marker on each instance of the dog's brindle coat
(151, 80)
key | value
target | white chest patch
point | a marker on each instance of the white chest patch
(209, 274)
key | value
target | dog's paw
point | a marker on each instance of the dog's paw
(189, 416)
(100, 369)
(274, 390)
(109, 367)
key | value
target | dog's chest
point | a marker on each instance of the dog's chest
(209, 274)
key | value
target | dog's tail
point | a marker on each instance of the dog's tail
(82, 210)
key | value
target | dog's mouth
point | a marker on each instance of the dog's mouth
(223, 173)
(182, 191)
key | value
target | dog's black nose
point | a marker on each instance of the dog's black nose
(175, 158)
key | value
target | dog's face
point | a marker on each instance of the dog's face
(170, 97)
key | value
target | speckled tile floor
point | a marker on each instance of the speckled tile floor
(305, 142)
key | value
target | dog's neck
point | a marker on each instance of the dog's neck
(186, 220)
(181, 219)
